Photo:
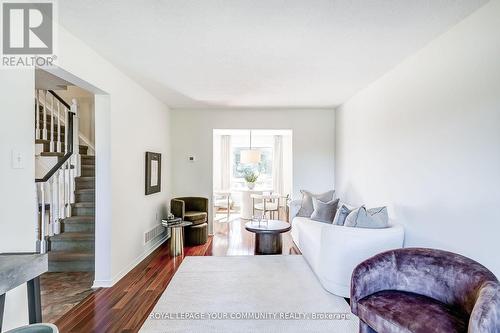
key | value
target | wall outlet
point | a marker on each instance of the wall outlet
(191, 158)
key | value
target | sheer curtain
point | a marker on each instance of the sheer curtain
(225, 162)
(278, 179)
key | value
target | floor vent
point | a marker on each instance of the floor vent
(153, 233)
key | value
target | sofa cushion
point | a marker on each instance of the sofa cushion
(195, 217)
(400, 311)
(324, 211)
(373, 218)
(306, 206)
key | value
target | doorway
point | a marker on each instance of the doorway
(65, 180)
(246, 162)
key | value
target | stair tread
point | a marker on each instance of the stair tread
(88, 166)
(85, 191)
(51, 154)
(70, 255)
(85, 179)
(42, 141)
(73, 236)
(84, 204)
(79, 219)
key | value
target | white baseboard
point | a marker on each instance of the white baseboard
(123, 272)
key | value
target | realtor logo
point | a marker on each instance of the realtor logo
(28, 33)
(27, 28)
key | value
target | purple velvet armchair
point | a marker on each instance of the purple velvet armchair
(425, 290)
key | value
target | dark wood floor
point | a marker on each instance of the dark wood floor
(125, 306)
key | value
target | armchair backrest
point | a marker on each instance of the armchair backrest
(197, 204)
(448, 277)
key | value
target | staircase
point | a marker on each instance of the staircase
(73, 249)
(69, 234)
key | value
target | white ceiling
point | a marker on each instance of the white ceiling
(259, 53)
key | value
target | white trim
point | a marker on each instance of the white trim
(123, 272)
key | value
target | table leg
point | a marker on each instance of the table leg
(176, 242)
(34, 301)
(2, 304)
(268, 243)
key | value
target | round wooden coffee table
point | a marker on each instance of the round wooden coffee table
(268, 238)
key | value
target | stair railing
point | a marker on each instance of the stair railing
(55, 191)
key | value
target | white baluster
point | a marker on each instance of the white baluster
(50, 229)
(59, 150)
(63, 187)
(70, 189)
(66, 121)
(44, 120)
(43, 243)
(37, 114)
(56, 221)
(60, 193)
(76, 139)
(72, 185)
(52, 123)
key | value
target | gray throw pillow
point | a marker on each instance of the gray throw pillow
(306, 206)
(341, 214)
(324, 211)
(373, 218)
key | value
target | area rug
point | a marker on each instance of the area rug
(248, 294)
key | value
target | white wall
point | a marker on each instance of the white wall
(313, 145)
(17, 186)
(129, 122)
(425, 140)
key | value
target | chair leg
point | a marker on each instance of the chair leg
(253, 207)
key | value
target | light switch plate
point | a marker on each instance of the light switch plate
(17, 159)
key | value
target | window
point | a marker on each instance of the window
(265, 167)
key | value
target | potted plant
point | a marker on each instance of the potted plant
(250, 178)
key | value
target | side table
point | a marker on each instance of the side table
(177, 235)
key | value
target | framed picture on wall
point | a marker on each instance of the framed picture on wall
(153, 173)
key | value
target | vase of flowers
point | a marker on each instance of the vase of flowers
(251, 178)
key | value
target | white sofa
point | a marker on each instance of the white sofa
(334, 251)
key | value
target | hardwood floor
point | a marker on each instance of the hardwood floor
(125, 306)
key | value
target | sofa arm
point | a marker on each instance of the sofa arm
(375, 274)
(294, 206)
(485, 316)
(178, 208)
